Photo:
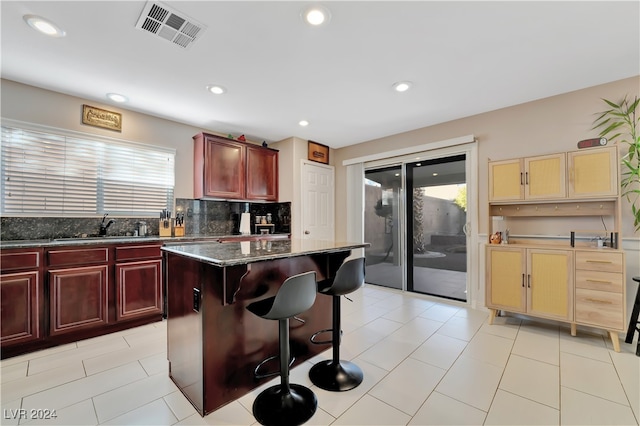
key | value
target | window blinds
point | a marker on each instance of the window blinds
(45, 173)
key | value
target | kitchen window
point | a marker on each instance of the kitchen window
(69, 173)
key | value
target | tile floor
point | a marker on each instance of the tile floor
(426, 362)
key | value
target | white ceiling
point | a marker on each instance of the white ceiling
(464, 58)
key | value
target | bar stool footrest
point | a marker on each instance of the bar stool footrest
(271, 374)
(313, 340)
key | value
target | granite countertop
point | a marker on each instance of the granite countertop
(56, 242)
(242, 252)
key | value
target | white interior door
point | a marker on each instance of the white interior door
(317, 201)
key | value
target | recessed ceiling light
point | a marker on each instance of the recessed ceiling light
(418, 164)
(216, 89)
(316, 15)
(434, 174)
(44, 26)
(402, 86)
(303, 123)
(115, 97)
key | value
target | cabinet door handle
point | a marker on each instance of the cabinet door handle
(523, 280)
(599, 281)
(602, 302)
(521, 180)
(529, 280)
(599, 261)
(526, 178)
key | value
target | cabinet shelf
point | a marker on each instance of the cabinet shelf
(565, 208)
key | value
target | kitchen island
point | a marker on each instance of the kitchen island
(213, 343)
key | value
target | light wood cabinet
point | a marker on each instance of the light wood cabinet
(555, 277)
(533, 281)
(600, 290)
(550, 283)
(593, 173)
(531, 178)
(233, 170)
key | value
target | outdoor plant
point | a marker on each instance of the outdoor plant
(622, 122)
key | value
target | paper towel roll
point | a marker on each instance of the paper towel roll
(245, 224)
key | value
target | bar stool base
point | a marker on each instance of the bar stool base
(336, 376)
(275, 406)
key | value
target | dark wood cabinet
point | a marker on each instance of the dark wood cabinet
(20, 307)
(78, 298)
(138, 282)
(62, 294)
(229, 169)
(262, 174)
(21, 297)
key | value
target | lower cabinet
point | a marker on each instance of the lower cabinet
(139, 289)
(138, 281)
(532, 281)
(599, 289)
(78, 299)
(57, 295)
(19, 294)
(580, 287)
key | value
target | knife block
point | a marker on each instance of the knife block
(165, 232)
(178, 231)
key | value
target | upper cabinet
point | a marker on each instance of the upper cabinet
(530, 178)
(229, 169)
(262, 174)
(583, 174)
(593, 173)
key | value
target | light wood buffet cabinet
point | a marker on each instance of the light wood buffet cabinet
(560, 278)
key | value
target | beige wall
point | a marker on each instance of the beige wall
(544, 126)
(34, 105)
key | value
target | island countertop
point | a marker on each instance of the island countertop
(243, 252)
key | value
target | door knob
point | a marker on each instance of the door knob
(307, 232)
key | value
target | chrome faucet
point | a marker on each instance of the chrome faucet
(104, 226)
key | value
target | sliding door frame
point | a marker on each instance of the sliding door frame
(463, 145)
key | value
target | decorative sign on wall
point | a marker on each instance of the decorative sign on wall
(101, 118)
(318, 152)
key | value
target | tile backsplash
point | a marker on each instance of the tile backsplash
(202, 218)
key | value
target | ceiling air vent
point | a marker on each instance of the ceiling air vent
(169, 24)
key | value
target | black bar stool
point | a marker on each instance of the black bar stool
(336, 374)
(286, 404)
(634, 324)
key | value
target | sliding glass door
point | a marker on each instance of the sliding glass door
(436, 222)
(382, 214)
(415, 220)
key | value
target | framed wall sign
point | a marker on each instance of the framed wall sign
(318, 152)
(101, 118)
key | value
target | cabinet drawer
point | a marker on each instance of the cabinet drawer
(137, 253)
(596, 280)
(78, 257)
(599, 261)
(599, 308)
(24, 260)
